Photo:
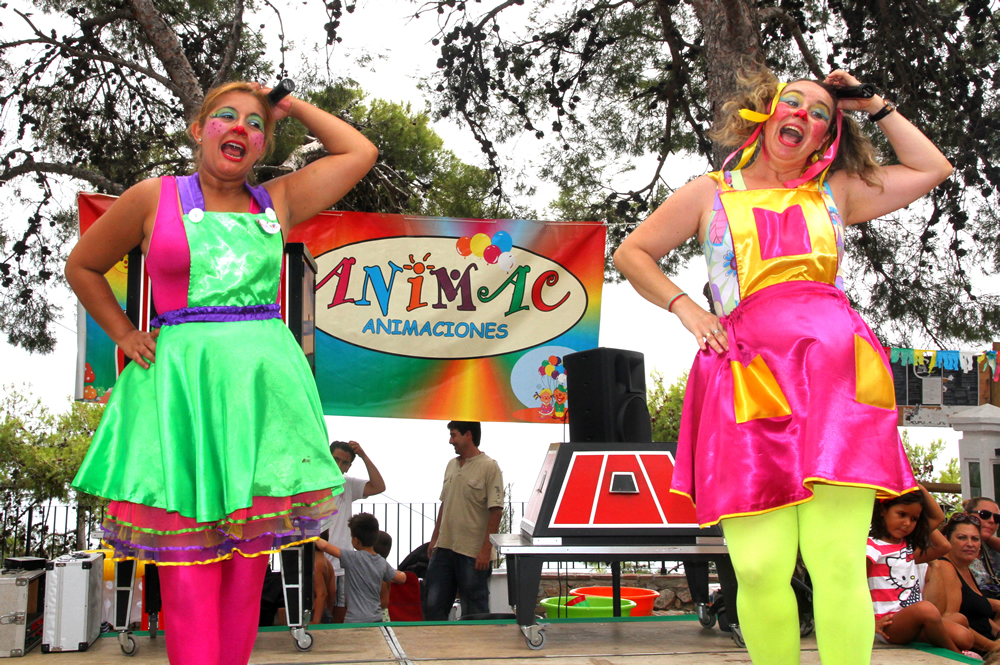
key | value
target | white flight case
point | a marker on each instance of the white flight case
(22, 603)
(73, 597)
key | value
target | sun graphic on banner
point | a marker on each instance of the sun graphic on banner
(418, 266)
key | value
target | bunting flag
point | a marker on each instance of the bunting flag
(957, 361)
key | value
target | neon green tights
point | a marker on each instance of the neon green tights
(831, 531)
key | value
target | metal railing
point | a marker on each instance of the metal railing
(49, 531)
(45, 531)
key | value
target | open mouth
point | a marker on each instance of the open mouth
(790, 135)
(233, 151)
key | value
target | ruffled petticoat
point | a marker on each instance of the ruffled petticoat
(804, 395)
(136, 531)
(219, 447)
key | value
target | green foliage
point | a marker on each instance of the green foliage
(415, 174)
(923, 461)
(40, 453)
(665, 404)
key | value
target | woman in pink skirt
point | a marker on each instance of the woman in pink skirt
(789, 425)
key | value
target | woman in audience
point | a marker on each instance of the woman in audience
(986, 569)
(952, 587)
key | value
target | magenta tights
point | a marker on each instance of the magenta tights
(212, 610)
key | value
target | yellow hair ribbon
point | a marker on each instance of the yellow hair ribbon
(757, 116)
(754, 116)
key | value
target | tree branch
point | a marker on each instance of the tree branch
(793, 28)
(168, 49)
(95, 179)
(234, 40)
(99, 21)
(69, 50)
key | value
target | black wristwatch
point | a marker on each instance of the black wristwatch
(886, 110)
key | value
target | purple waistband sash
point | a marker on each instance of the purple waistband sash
(221, 313)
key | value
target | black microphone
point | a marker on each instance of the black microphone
(863, 91)
(281, 90)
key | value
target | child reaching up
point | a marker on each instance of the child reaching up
(903, 538)
(364, 570)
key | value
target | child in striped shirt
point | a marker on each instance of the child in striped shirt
(902, 540)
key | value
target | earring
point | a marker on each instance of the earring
(199, 140)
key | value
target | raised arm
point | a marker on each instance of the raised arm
(939, 547)
(935, 516)
(677, 219)
(325, 546)
(123, 227)
(375, 484)
(316, 187)
(921, 166)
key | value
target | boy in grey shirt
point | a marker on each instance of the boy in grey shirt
(364, 570)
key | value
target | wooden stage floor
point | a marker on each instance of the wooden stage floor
(674, 641)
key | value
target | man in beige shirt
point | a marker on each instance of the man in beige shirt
(460, 551)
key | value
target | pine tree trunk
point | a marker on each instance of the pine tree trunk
(732, 43)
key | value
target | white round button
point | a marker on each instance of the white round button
(271, 215)
(196, 215)
(269, 227)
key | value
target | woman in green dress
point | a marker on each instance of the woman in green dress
(213, 449)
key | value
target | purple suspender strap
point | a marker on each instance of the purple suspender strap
(190, 190)
(261, 196)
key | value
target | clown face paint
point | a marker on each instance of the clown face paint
(800, 123)
(235, 130)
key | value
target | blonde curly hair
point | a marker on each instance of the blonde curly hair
(856, 154)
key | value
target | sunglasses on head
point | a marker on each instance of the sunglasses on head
(960, 518)
(986, 515)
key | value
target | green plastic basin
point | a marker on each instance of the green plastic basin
(591, 606)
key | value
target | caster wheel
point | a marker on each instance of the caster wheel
(129, 648)
(806, 626)
(738, 637)
(705, 616)
(537, 643)
(305, 643)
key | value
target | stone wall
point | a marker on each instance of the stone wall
(674, 594)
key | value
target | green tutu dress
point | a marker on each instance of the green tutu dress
(220, 446)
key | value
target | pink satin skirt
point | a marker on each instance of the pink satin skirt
(805, 333)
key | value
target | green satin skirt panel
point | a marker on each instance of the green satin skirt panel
(228, 411)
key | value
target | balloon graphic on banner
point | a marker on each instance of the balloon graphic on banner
(479, 243)
(464, 245)
(506, 261)
(491, 254)
(503, 240)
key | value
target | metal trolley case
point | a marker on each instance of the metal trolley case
(73, 596)
(22, 604)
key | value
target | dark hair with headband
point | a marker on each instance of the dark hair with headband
(958, 519)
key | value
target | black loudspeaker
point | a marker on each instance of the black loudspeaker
(607, 396)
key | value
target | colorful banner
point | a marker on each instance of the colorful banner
(451, 319)
(421, 317)
(98, 362)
